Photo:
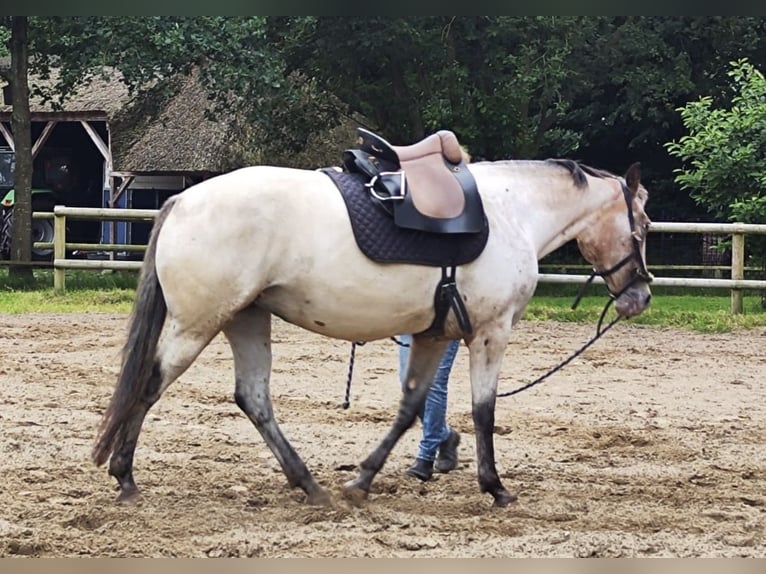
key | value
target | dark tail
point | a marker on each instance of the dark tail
(139, 361)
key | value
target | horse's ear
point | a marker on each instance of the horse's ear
(633, 178)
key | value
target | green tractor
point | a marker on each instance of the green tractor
(56, 180)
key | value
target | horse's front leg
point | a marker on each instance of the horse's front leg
(425, 355)
(249, 334)
(486, 353)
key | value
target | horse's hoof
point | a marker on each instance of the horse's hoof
(319, 498)
(354, 494)
(504, 498)
(128, 496)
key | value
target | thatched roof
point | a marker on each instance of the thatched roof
(167, 128)
(156, 132)
(104, 95)
(162, 132)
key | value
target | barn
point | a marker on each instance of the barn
(123, 151)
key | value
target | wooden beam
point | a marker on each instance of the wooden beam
(102, 147)
(737, 270)
(61, 116)
(8, 136)
(105, 213)
(124, 173)
(202, 173)
(43, 137)
(126, 181)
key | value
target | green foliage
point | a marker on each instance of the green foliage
(509, 86)
(521, 75)
(639, 69)
(599, 89)
(5, 37)
(241, 68)
(603, 90)
(723, 153)
(501, 83)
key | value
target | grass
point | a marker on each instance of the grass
(703, 310)
(703, 313)
(707, 311)
(87, 291)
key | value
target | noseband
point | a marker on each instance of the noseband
(640, 273)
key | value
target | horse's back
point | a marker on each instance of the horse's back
(256, 184)
(240, 199)
(224, 236)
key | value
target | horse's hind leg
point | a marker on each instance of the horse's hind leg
(175, 354)
(425, 355)
(249, 334)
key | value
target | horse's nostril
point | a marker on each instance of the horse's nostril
(648, 299)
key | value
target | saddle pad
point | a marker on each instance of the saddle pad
(381, 240)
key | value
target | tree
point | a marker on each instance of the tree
(21, 243)
(501, 83)
(724, 152)
(522, 76)
(602, 90)
(241, 68)
(725, 148)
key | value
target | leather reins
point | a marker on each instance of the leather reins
(640, 273)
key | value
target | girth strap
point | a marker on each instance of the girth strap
(448, 297)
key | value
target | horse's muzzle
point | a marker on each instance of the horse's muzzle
(633, 300)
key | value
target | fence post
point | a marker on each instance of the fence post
(737, 270)
(59, 251)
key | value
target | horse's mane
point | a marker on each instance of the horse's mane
(576, 169)
(579, 170)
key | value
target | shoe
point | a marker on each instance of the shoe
(447, 457)
(422, 469)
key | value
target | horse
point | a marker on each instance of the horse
(228, 253)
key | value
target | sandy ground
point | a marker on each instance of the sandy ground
(653, 443)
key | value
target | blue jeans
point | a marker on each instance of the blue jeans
(434, 413)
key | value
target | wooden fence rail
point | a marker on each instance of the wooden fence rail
(60, 245)
(736, 284)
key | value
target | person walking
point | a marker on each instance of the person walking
(438, 448)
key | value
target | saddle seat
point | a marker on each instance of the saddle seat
(428, 182)
(443, 141)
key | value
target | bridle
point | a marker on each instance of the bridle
(640, 273)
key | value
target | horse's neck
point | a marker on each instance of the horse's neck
(546, 203)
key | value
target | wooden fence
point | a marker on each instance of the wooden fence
(737, 283)
(60, 245)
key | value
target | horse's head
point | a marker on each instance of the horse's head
(616, 245)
